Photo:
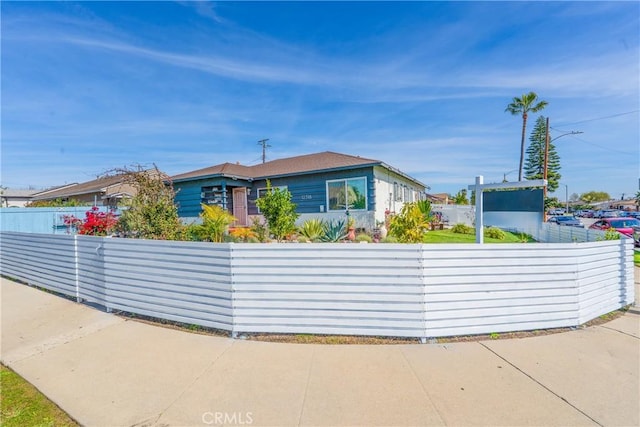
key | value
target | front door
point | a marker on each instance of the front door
(240, 205)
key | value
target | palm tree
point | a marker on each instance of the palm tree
(522, 106)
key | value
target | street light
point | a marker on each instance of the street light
(546, 151)
(566, 196)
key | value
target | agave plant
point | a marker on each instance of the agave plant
(312, 229)
(334, 231)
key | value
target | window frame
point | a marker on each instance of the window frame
(345, 181)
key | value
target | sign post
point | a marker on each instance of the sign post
(479, 187)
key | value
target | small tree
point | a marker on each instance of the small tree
(412, 223)
(279, 211)
(151, 213)
(461, 197)
(534, 166)
(595, 196)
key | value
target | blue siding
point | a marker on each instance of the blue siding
(309, 192)
(188, 194)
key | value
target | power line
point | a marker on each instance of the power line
(600, 118)
(603, 147)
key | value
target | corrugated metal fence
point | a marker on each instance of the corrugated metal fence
(377, 289)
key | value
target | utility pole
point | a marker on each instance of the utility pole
(264, 144)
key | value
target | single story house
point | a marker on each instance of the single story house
(103, 191)
(323, 185)
(15, 197)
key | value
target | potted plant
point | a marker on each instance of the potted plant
(351, 229)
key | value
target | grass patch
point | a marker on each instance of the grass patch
(448, 236)
(636, 258)
(23, 405)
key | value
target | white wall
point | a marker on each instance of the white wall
(384, 184)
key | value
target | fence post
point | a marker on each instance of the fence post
(77, 267)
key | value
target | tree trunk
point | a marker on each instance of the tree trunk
(524, 127)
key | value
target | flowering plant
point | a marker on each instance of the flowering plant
(95, 223)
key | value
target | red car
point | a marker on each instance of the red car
(627, 226)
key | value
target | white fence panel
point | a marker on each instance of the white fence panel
(91, 273)
(599, 285)
(187, 282)
(42, 260)
(388, 290)
(473, 289)
(328, 289)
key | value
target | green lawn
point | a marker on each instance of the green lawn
(636, 258)
(23, 405)
(447, 236)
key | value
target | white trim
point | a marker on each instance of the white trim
(366, 195)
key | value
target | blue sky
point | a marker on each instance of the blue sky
(422, 86)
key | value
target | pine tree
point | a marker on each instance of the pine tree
(534, 166)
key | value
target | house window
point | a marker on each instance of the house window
(263, 191)
(408, 195)
(343, 194)
(397, 192)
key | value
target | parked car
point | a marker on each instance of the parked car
(607, 213)
(587, 213)
(566, 220)
(556, 211)
(627, 226)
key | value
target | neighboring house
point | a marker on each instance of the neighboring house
(104, 191)
(15, 198)
(322, 185)
(439, 198)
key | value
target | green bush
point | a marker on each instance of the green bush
(412, 223)
(494, 233)
(364, 238)
(611, 234)
(389, 239)
(461, 228)
(215, 222)
(279, 211)
(259, 229)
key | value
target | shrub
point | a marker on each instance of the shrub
(151, 213)
(259, 229)
(243, 234)
(412, 223)
(312, 229)
(611, 234)
(389, 239)
(494, 233)
(95, 223)
(462, 228)
(302, 239)
(363, 238)
(215, 222)
(279, 211)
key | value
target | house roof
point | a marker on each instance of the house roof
(99, 185)
(19, 193)
(307, 163)
(224, 169)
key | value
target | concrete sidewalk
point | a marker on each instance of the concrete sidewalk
(107, 371)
